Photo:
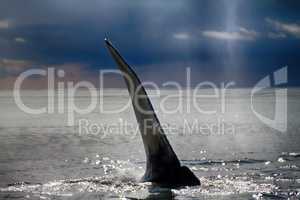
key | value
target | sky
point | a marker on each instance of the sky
(219, 40)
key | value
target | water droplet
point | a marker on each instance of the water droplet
(194, 168)
(86, 160)
(267, 162)
(97, 162)
(281, 160)
(105, 158)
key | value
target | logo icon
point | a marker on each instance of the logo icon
(279, 122)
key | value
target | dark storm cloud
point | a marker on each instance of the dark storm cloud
(247, 37)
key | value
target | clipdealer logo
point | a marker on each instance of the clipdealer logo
(61, 97)
(280, 77)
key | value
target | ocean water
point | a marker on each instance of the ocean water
(234, 154)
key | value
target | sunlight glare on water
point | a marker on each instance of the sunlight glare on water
(42, 158)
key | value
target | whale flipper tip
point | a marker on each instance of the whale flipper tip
(107, 42)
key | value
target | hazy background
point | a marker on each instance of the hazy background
(240, 41)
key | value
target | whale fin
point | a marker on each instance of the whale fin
(163, 166)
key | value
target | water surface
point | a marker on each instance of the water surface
(41, 157)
